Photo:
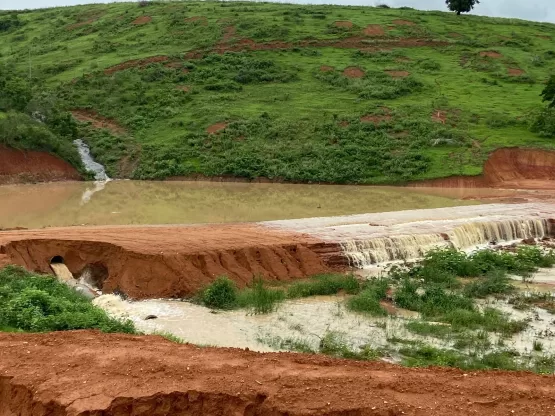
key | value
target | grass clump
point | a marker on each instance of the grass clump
(260, 298)
(322, 285)
(220, 294)
(34, 303)
(368, 300)
(334, 344)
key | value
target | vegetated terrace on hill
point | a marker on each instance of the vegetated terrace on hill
(288, 92)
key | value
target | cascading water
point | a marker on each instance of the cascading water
(100, 176)
(363, 253)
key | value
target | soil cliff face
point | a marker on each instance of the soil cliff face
(152, 262)
(88, 373)
(25, 166)
(507, 168)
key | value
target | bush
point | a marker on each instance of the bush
(544, 123)
(220, 294)
(260, 299)
(368, 300)
(35, 303)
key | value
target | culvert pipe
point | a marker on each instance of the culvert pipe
(65, 276)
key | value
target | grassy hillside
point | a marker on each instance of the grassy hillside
(296, 92)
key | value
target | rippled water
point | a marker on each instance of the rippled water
(142, 202)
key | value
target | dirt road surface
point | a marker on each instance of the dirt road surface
(89, 373)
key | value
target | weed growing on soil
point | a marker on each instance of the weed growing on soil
(368, 300)
(322, 285)
(36, 303)
(220, 294)
(259, 298)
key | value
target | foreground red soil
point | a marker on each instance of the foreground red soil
(89, 373)
(22, 166)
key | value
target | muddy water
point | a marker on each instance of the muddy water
(140, 202)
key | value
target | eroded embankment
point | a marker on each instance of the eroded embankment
(28, 166)
(75, 373)
(152, 262)
(507, 168)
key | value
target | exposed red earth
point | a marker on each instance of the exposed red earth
(97, 121)
(27, 166)
(353, 72)
(374, 30)
(142, 20)
(214, 128)
(507, 168)
(173, 261)
(397, 74)
(88, 373)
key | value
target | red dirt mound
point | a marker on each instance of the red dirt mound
(325, 68)
(28, 166)
(353, 72)
(184, 88)
(376, 119)
(229, 34)
(515, 72)
(214, 128)
(398, 74)
(142, 20)
(404, 23)
(154, 262)
(343, 23)
(374, 30)
(135, 63)
(80, 24)
(91, 373)
(439, 116)
(97, 121)
(491, 54)
(508, 168)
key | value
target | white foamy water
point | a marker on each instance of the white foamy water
(100, 176)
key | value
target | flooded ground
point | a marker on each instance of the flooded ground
(140, 202)
(307, 321)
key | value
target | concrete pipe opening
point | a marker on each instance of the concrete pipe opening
(57, 260)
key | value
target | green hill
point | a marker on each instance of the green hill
(289, 92)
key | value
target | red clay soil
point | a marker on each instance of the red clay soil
(515, 72)
(398, 74)
(97, 121)
(176, 261)
(439, 116)
(404, 23)
(376, 119)
(343, 23)
(215, 128)
(491, 54)
(142, 20)
(374, 30)
(511, 168)
(353, 72)
(29, 166)
(135, 63)
(86, 373)
(80, 24)
(229, 34)
(184, 88)
(325, 68)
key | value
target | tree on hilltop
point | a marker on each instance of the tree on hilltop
(461, 6)
(548, 92)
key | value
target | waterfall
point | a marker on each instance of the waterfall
(375, 250)
(100, 176)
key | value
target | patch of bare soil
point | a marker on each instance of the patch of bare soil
(397, 74)
(439, 116)
(353, 72)
(97, 121)
(343, 23)
(201, 19)
(454, 35)
(491, 54)
(214, 128)
(325, 68)
(173, 261)
(229, 34)
(374, 30)
(92, 373)
(141, 20)
(135, 63)
(544, 37)
(80, 24)
(374, 118)
(403, 59)
(403, 23)
(28, 166)
(515, 72)
(184, 88)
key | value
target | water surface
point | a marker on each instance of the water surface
(145, 202)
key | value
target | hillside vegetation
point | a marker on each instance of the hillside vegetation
(287, 92)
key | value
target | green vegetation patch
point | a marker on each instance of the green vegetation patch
(37, 303)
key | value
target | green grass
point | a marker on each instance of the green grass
(285, 118)
(37, 303)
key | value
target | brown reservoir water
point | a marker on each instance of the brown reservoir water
(144, 202)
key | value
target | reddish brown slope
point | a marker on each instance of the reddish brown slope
(88, 373)
(22, 166)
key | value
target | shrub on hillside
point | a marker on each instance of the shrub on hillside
(544, 123)
(220, 294)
